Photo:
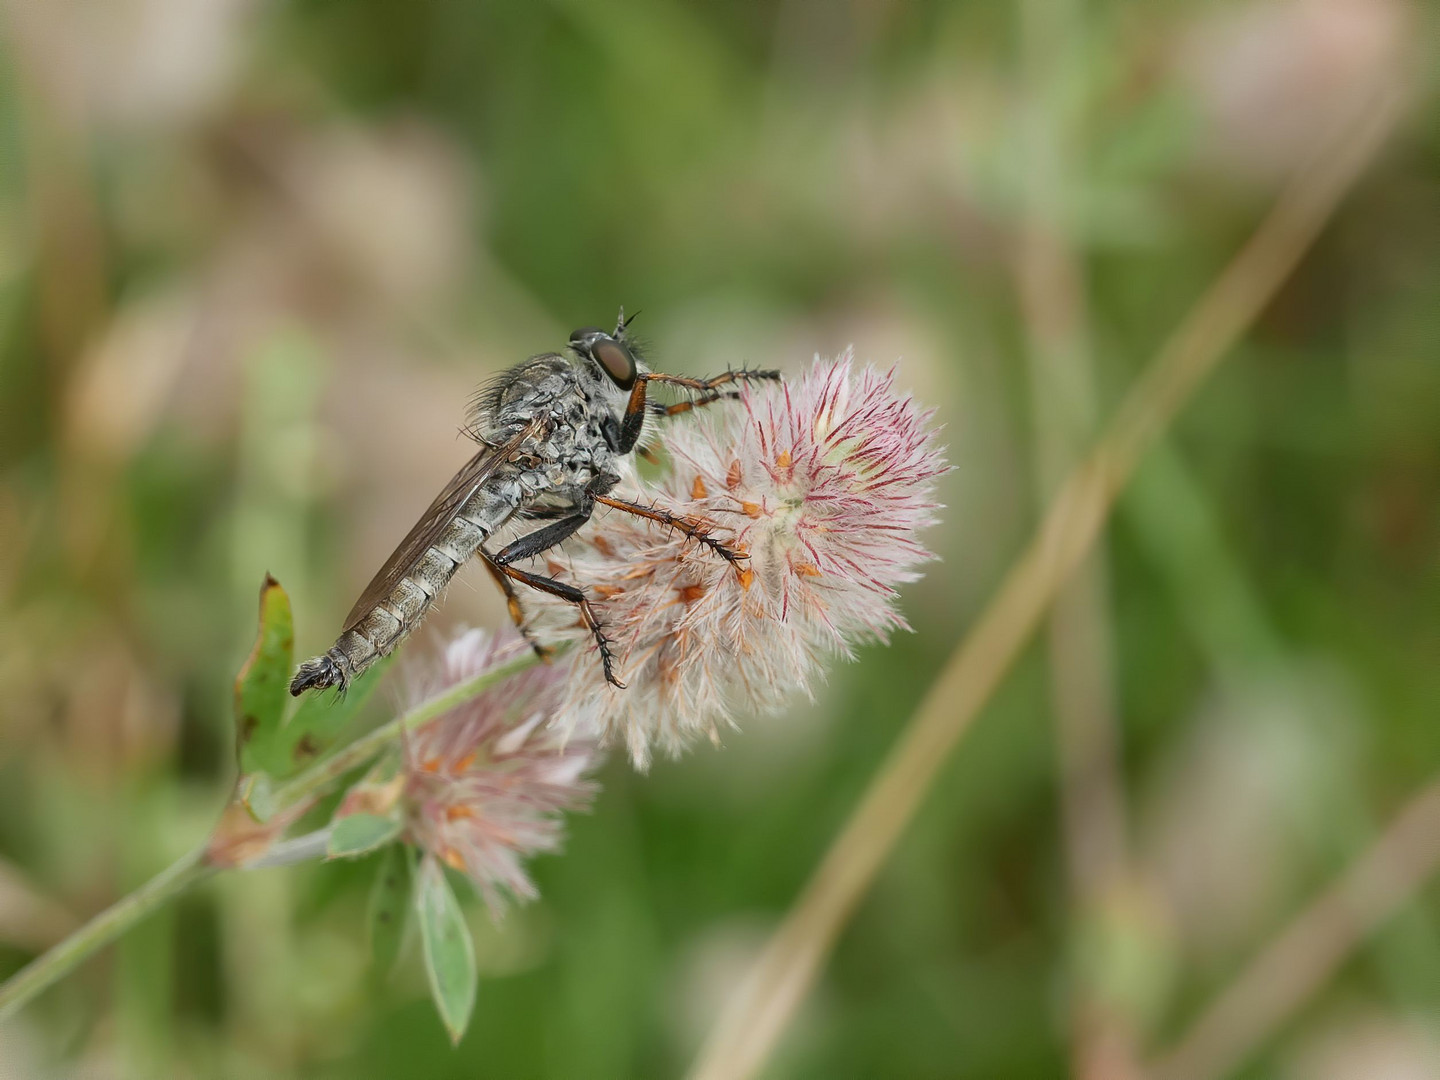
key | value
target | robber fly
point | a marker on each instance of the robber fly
(551, 430)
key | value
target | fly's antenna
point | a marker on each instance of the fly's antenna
(638, 348)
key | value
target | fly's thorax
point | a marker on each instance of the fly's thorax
(578, 440)
(578, 403)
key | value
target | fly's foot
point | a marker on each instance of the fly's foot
(602, 644)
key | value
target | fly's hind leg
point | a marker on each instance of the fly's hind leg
(542, 540)
(587, 614)
(512, 605)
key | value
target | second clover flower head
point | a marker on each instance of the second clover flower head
(486, 784)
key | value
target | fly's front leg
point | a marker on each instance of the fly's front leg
(657, 409)
(632, 423)
(708, 389)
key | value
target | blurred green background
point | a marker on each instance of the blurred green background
(255, 255)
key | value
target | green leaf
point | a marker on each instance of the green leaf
(260, 686)
(359, 834)
(257, 792)
(389, 903)
(319, 720)
(449, 952)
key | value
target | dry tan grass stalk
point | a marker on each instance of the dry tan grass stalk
(766, 999)
(1308, 951)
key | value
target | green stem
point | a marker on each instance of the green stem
(104, 928)
(120, 916)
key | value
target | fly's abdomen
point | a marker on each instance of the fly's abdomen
(377, 631)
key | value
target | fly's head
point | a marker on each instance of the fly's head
(610, 355)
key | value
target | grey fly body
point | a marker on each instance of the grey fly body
(551, 430)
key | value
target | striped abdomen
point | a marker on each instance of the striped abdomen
(395, 603)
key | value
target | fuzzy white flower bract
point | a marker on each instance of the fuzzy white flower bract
(824, 481)
(486, 783)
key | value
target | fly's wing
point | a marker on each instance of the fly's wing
(434, 521)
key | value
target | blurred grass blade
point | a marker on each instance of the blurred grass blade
(389, 903)
(260, 686)
(360, 834)
(449, 952)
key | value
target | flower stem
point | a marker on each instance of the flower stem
(104, 928)
(120, 916)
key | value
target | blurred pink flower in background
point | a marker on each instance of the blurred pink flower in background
(1269, 79)
(1354, 1041)
(133, 64)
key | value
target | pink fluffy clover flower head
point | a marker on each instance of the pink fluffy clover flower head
(825, 482)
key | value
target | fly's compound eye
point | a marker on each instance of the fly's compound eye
(615, 360)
